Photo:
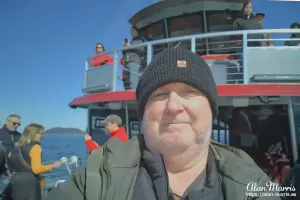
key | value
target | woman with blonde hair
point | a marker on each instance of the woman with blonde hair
(25, 162)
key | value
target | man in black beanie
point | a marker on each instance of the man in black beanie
(174, 157)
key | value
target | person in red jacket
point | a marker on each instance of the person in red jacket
(113, 127)
(104, 59)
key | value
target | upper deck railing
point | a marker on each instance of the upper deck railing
(233, 56)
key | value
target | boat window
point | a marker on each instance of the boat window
(256, 128)
(154, 31)
(218, 21)
(263, 132)
(221, 136)
(186, 25)
(134, 128)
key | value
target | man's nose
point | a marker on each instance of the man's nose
(174, 103)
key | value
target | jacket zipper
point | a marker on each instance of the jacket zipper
(166, 177)
(106, 171)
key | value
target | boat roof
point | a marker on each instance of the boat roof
(161, 6)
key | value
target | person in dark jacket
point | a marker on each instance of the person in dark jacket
(8, 133)
(25, 162)
(294, 25)
(8, 137)
(261, 19)
(248, 22)
(2, 154)
(173, 157)
(132, 59)
(4, 181)
(293, 180)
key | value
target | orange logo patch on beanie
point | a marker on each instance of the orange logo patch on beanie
(181, 64)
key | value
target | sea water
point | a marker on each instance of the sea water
(56, 146)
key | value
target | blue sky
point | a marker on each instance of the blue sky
(43, 46)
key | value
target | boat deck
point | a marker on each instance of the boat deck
(232, 61)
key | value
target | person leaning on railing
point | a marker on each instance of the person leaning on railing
(104, 59)
(132, 59)
(25, 162)
(248, 22)
(261, 18)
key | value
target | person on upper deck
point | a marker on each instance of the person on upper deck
(261, 19)
(25, 162)
(173, 157)
(294, 25)
(104, 59)
(114, 127)
(248, 22)
(132, 59)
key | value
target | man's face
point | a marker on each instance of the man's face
(260, 19)
(110, 127)
(176, 117)
(12, 123)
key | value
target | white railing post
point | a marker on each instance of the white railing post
(85, 78)
(245, 57)
(193, 44)
(149, 53)
(115, 71)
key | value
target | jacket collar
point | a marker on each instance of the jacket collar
(230, 162)
(4, 128)
(118, 131)
(235, 163)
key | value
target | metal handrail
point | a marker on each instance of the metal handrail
(149, 47)
(202, 36)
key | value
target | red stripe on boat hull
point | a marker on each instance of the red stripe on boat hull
(223, 90)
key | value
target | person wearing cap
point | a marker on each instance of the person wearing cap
(174, 157)
(294, 25)
(114, 127)
(261, 19)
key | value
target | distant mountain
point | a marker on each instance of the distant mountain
(61, 130)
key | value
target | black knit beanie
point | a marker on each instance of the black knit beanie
(176, 65)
